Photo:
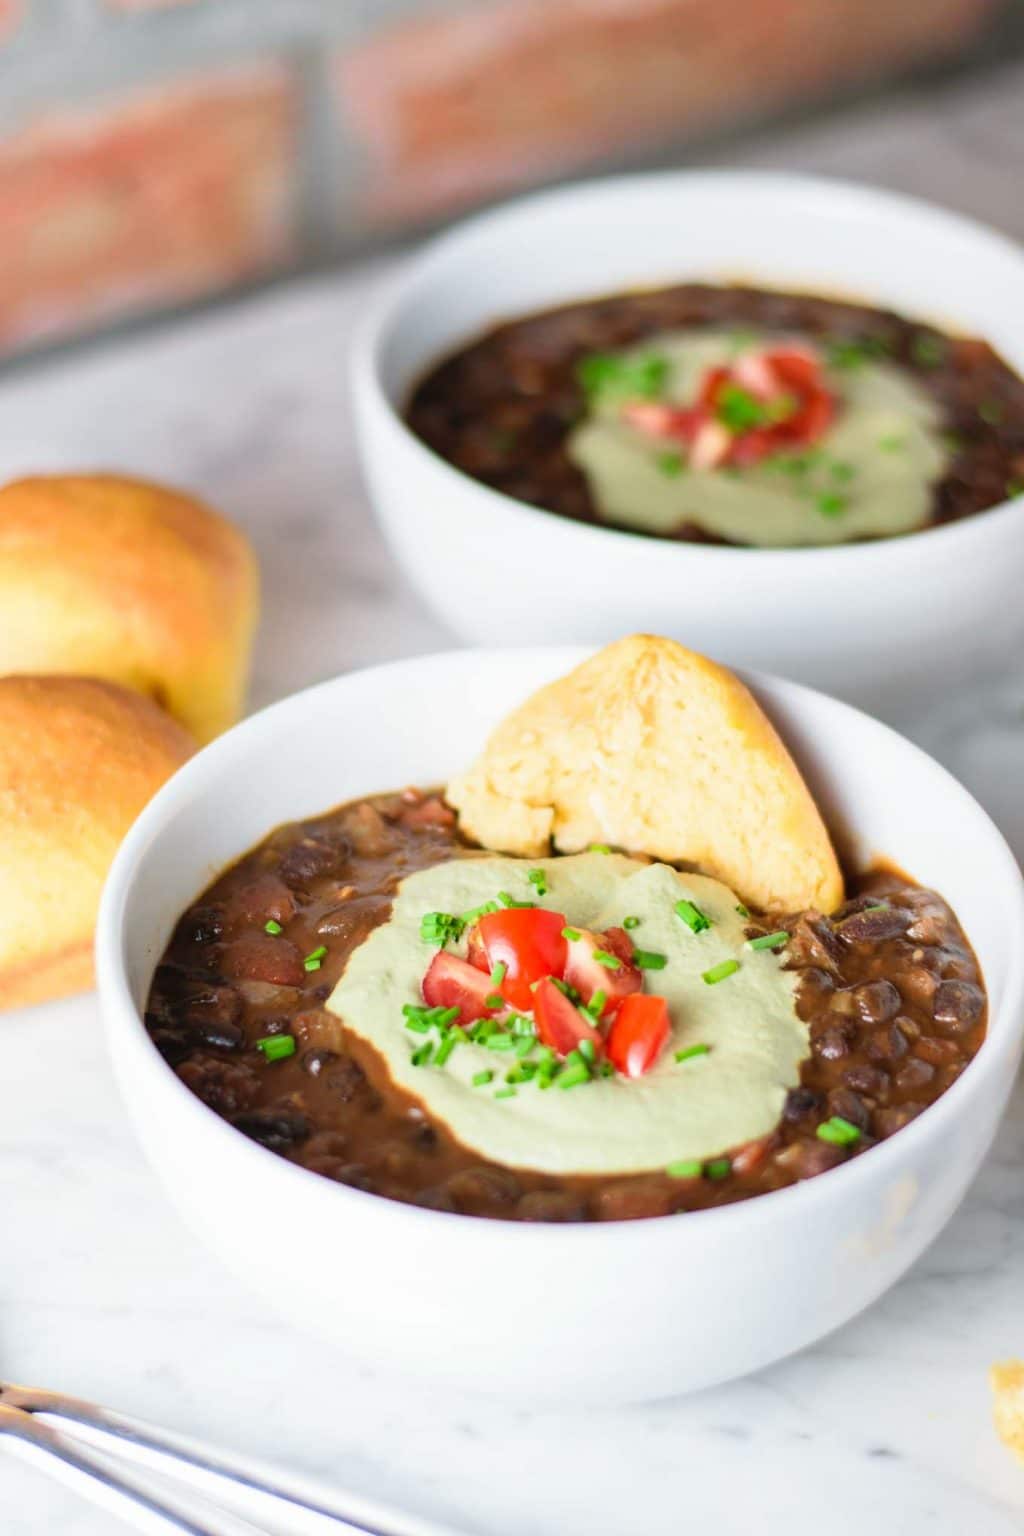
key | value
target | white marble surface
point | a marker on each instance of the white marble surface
(885, 1426)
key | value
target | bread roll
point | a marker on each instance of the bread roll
(653, 749)
(79, 758)
(102, 576)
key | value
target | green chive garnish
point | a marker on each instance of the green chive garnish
(479, 1079)
(313, 960)
(610, 962)
(498, 974)
(742, 910)
(277, 1047)
(692, 916)
(720, 971)
(597, 1002)
(770, 940)
(893, 443)
(691, 1051)
(446, 1047)
(688, 1168)
(649, 960)
(599, 848)
(510, 901)
(500, 1042)
(505, 1093)
(441, 928)
(572, 934)
(571, 1077)
(422, 1054)
(586, 1050)
(718, 1168)
(272, 927)
(539, 880)
(481, 911)
(838, 1131)
(670, 465)
(523, 1045)
(832, 504)
(631, 922)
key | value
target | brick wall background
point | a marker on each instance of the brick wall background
(154, 152)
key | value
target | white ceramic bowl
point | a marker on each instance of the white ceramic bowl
(596, 1312)
(885, 624)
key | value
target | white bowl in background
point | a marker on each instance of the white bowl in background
(600, 1312)
(888, 624)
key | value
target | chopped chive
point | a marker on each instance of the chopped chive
(479, 1079)
(505, 1093)
(838, 1131)
(571, 1077)
(545, 1056)
(521, 1024)
(599, 848)
(893, 443)
(649, 959)
(422, 1054)
(586, 1050)
(879, 906)
(597, 1002)
(494, 1000)
(418, 1026)
(770, 940)
(610, 962)
(687, 1168)
(539, 880)
(565, 989)
(720, 971)
(718, 1168)
(691, 1051)
(447, 1016)
(842, 471)
(272, 927)
(572, 934)
(742, 910)
(510, 901)
(523, 1045)
(631, 922)
(441, 928)
(498, 974)
(670, 465)
(500, 1043)
(607, 1070)
(482, 911)
(318, 953)
(832, 504)
(574, 1059)
(277, 1047)
(692, 916)
(446, 1047)
(608, 377)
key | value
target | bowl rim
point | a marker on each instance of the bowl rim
(122, 1017)
(374, 329)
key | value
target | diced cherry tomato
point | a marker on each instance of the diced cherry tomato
(664, 421)
(559, 1022)
(796, 368)
(476, 954)
(754, 371)
(528, 942)
(713, 383)
(810, 421)
(454, 983)
(753, 446)
(588, 975)
(751, 1155)
(638, 1034)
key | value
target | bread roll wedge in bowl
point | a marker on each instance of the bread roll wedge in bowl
(651, 748)
(79, 758)
(103, 576)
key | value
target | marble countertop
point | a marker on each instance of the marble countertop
(884, 1426)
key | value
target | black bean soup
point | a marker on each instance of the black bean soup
(889, 985)
(502, 408)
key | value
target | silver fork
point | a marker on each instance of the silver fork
(85, 1443)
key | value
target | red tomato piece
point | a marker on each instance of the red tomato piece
(476, 954)
(796, 369)
(454, 983)
(588, 975)
(638, 1034)
(528, 942)
(559, 1022)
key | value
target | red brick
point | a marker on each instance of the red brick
(457, 107)
(144, 200)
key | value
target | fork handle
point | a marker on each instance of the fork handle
(114, 1488)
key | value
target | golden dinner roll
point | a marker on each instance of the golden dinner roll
(103, 576)
(1007, 1379)
(651, 748)
(79, 758)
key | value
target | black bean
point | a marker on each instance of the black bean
(224, 1036)
(914, 1074)
(476, 1189)
(435, 1200)
(173, 1044)
(345, 1078)
(310, 858)
(200, 925)
(870, 927)
(277, 1129)
(889, 1121)
(849, 1106)
(877, 1001)
(958, 1005)
(551, 1205)
(226, 1086)
(630, 1201)
(887, 1044)
(830, 1045)
(863, 1078)
(801, 1102)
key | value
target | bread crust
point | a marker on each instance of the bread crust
(651, 748)
(79, 758)
(105, 576)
